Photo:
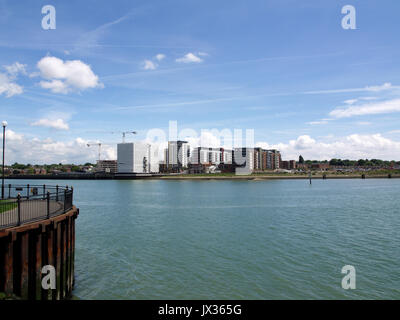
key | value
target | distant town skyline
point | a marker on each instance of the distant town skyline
(286, 69)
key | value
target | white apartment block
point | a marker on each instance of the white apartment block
(215, 156)
(244, 159)
(137, 157)
(177, 154)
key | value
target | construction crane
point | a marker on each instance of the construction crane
(124, 134)
(95, 144)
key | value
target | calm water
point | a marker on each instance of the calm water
(236, 239)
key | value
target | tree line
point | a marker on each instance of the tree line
(352, 163)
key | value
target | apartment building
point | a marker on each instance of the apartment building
(107, 166)
(137, 157)
(288, 165)
(176, 156)
(266, 159)
(243, 158)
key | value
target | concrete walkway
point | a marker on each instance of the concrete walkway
(30, 210)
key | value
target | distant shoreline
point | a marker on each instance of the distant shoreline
(199, 177)
(271, 177)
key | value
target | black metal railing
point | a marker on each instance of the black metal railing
(27, 203)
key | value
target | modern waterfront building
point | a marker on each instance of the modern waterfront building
(226, 156)
(259, 157)
(137, 157)
(108, 166)
(275, 159)
(243, 158)
(288, 165)
(266, 159)
(176, 156)
(212, 156)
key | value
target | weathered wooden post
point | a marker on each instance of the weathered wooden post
(24, 258)
(50, 254)
(38, 264)
(19, 209)
(48, 204)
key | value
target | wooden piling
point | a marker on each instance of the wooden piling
(38, 264)
(25, 249)
(24, 256)
(8, 265)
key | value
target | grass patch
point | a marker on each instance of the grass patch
(6, 205)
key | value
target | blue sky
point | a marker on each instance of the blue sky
(286, 69)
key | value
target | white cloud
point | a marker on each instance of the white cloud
(26, 150)
(160, 56)
(66, 76)
(385, 87)
(203, 54)
(355, 146)
(363, 123)
(149, 65)
(313, 123)
(8, 86)
(189, 58)
(56, 86)
(14, 69)
(351, 101)
(388, 106)
(319, 122)
(58, 124)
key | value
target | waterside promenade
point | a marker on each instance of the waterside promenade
(37, 233)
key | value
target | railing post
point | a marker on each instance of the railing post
(65, 198)
(48, 204)
(27, 191)
(57, 193)
(44, 191)
(19, 209)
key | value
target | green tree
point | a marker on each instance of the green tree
(301, 159)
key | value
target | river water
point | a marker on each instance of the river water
(279, 239)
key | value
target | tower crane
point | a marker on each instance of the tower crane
(124, 133)
(95, 144)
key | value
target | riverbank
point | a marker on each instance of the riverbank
(217, 176)
(273, 177)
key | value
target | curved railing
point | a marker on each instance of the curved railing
(27, 203)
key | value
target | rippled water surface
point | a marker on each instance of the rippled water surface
(281, 239)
